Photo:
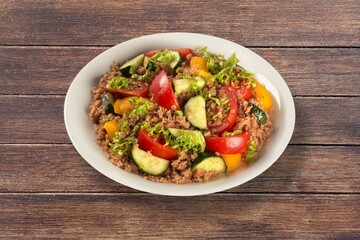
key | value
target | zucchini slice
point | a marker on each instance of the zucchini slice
(209, 162)
(108, 103)
(129, 67)
(149, 163)
(195, 112)
(171, 58)
(148, 64)
(177, 61)
(176, 132)
(185, 85)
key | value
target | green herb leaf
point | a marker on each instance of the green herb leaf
(231, 61)
(164, 56)
(124, 127)
(120, 82)
(120, 146)
(141, 106)
(189, 141)
(213, 60)
(250, 155)
(228, 134)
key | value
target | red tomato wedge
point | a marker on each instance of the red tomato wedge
(231, 117)
(155, 146)
(141, 89)
(152, 53)
(245, 91)
(162, 91)
(228, 145)
(184, 52)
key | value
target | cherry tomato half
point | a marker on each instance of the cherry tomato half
(184, 52)
(228, 145)
(162, 91)
(155, 146)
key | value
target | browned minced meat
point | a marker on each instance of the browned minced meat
(180, 168)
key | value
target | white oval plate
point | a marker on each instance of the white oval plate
(80, 127)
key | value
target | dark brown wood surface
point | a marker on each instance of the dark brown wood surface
(47, 191)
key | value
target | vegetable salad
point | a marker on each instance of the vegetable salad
(214, 118)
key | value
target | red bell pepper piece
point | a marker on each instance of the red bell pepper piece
(155, 146)
(228, 145)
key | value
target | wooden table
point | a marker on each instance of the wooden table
(48, 191)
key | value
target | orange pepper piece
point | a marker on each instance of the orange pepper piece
(111, 127)
(122, 105)
(232, 161)
(263, 96)
(197, 64)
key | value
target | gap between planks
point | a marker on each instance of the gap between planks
(110, 45)
(150, 194)
(70, 144)
(294, 96)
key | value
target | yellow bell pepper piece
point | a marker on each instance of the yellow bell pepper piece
(263, 96)
(232, 161)
(204, 74)
(198, 64)
(122, 105)
(111, 127)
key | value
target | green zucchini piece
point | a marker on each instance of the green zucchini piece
(171, 58)
(176, 132)
(209, 162)
(258, 113)
(195, 112)
(148, 64)
(188, 84)
(129, 67)
(149, 163)
(108, 101)
(177, 61)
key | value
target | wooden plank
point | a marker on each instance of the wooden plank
(59, 168)
(317, 71)
(141, 216)
(50, 75)
(255, 23)
(32, 119)
(307, 71)
(39, 119)
(327, 121)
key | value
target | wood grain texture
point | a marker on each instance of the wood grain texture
(47, 191)
(216, 216)
(255, 23)
(60, 169)
(32, 119)
(307, 71)
(39, 119)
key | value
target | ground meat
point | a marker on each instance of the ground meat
(96, 110)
